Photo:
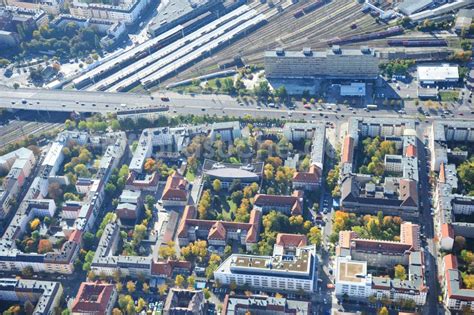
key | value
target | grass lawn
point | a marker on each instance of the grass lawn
(448, 96)
(190, 176)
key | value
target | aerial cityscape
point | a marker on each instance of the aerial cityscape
(236, 157)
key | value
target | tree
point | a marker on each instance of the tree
(88, 240)
(383, 311)
(55, 191)
(167, 251)
(16, 86)
(116, 311)
(216, 185)
(191, 281)
(162, 289)
(207, 294)
(400, 272)
(131, 286)
(150, 201)
(34, 224)
(179, 281)
(150, 165)
(44, 246)
(140, 305)
(81, 170)
(146, 288)
(28, 307)
(314, 236)
(27, 272)
(459, 242)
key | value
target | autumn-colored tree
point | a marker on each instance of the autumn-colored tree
(146, 288)
(314, 236)
(204, 205)
(216, 185)
(150, 165)
(179, 281)
(383, 311)
(131, 286)
(44, 246)
(400, 272)
(168, 250)
(162, 289)
(34, 224)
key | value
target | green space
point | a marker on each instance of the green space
(378, 227)
(448, 96)
(371, 160)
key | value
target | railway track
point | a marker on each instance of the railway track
(18, 130)
(311, 30)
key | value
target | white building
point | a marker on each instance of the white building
(278, 272)
(434, 74)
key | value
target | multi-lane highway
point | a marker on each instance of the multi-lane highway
(104, 102)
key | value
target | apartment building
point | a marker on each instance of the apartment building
(46, 295)
(456, 296)
(264, 305)
(355, 255)
(335, 63)
(34, 205)
(127, 12)
(225, 131)
(285, 272)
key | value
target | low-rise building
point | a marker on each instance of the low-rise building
(437, 74)
(290, 205)
(227, 172)
(310, 180)
(218, 233)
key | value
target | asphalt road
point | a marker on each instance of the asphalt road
(103, 102)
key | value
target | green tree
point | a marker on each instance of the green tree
(216, 185)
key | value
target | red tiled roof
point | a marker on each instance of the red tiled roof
(165, 268)
(217, 231)
(76, 236)
(442, 173)
(347, 150)
(291, 240)
(378, 245)
(175, 188)
(312, 176)
(450, 262)
(188, 213)
(408, 192)
(410, 234)
(292, 202)
(411, 151)
(131, 180)
(447, 230)
(93, 297)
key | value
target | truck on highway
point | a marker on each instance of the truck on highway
(372, 107)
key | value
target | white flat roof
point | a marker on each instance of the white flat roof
(443, 72)
(354, 89)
